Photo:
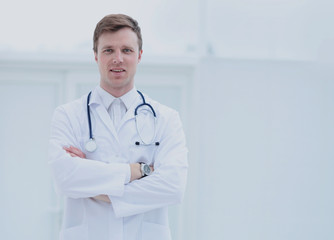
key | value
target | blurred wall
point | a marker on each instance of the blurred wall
(265, 150)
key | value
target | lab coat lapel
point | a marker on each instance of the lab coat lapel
(130, 113)
(131, 100)
(104, 116)
(97, 106)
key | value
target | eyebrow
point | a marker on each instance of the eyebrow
(111, 46)
(107, 46)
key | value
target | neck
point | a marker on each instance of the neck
(116, 92)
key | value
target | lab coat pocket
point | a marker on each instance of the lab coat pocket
(142, 153)
(75, 233)
(155, 231)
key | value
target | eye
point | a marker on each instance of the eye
(127, 50)
(108, 50)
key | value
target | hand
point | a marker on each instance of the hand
(74, 152)
(103, 198)
(135, 171)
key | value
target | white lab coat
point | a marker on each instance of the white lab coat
(139, 210)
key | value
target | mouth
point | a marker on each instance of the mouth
(117, 70)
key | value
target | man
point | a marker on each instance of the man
(118, 173)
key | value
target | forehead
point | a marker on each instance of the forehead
(124, 36)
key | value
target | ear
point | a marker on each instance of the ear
(139, 55)
(95, 56)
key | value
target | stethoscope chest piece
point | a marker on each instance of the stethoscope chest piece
(90, 145)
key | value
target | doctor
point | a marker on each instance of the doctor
(118, 172)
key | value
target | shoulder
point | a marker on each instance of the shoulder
(163, 111)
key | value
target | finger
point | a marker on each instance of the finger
(72, 154)
(75, 150)
(68, 152)
(78, 152)
(68, 147)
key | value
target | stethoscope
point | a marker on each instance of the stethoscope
(91, 145)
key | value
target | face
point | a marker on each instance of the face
(117, 57)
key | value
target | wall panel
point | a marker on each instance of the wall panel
(27, 196)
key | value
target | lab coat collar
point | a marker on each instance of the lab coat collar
(129, 98)
(105, 97)
(98, 104)
(96, 98)
(131, 101)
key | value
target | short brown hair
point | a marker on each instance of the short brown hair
(113, 23)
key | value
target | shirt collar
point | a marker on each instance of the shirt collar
(128, 99)
(106, 97)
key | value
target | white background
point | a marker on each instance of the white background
(252, 80)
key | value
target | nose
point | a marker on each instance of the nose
(118, 58)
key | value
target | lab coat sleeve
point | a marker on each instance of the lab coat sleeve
(75, 177)
(166, 185)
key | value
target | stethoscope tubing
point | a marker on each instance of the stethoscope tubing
(91, 138)
(88, 116)
(144, 104)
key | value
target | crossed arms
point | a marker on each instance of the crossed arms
(134, 169)
(77, 177)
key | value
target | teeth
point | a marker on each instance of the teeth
(117, 70)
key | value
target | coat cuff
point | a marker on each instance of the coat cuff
(127, 174)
